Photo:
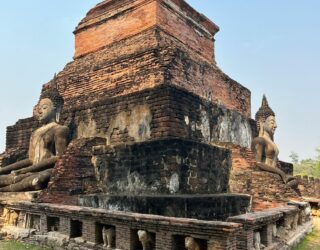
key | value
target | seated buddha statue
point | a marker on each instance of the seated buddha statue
(265, 150)
(46, 144)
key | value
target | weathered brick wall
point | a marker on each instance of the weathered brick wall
(173, 113)
(165, 166)
(201, 207)
(158, 167)
(19, 134)
(288, 222)
(73, 174)
(112, 22)
(166, 111)
(158, 54)
(124, 21)
(149, 59)
(309, 186)
(180, 23)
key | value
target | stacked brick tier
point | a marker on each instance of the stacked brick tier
(171, 167)
(131, 17)
(127, 46)
(164, 111)
(162, 167)
(147, 120)
(203, 207)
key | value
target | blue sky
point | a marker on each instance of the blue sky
(271, 47)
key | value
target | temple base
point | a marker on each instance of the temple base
(203, 207)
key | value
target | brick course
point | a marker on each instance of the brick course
(169, 107)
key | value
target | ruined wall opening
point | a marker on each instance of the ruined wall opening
(53, 224)
(260, 238)
(75, 229)
(105, 235)
(179, 242)
(136, 244)
(33, 221)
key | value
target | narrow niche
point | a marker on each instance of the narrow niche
(75, 229)
(106, 235)
(257, 239)
(142, 240)
(53, 224)
(188, 242)
(33, 221)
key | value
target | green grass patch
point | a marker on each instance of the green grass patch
(15, 245)
(311, 242)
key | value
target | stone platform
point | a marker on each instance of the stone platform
(77, 222)
(203, 207)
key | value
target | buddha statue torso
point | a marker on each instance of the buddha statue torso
(41, 144)
(266, 152)
(269, 151)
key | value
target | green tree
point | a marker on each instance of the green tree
(294, 157)
(310, 167)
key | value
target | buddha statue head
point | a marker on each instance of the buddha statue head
(50, 105)
(266, 121)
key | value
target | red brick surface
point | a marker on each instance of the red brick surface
(126, 46)
(132, 17)
(267, 189)
(116, 28)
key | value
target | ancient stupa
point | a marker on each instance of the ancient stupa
(142, 142)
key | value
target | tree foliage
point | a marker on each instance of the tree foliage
(310, 167)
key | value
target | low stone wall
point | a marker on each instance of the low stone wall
(84, 225)
(74, 226)
(279, 228)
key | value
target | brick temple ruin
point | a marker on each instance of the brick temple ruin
(142, 142)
